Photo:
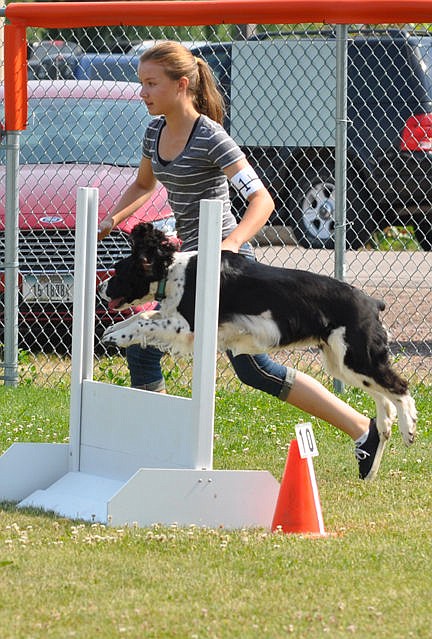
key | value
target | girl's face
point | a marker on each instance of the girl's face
(159, 92)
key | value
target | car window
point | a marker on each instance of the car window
(219, 62)
(53, 49)
(423, 53)
(218, 57)
(124, 71)
(109, 69)
(84, 131)
(385, 70)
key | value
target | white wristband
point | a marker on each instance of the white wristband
(246, 181)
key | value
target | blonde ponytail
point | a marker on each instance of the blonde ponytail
(207, 97)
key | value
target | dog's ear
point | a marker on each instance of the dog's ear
(152, 250)
(140, 234)
(166, 249)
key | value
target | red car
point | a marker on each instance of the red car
(80, 133)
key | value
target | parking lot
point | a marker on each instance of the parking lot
(408, 269)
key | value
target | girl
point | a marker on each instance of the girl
(186, 148)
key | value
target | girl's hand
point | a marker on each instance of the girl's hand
(229, 245)
(105, 227)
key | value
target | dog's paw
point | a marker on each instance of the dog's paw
(408, 421)
(386, 419)
(109, 337)
(107, 332)
(121, 338)
(391, 411)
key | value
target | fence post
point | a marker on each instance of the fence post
(11, 260)
(340, 158)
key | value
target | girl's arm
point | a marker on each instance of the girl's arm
(132, 199)
(260, 206)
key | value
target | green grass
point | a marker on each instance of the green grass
(370, 577)
(395, 238)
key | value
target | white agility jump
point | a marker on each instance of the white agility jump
(136, 456)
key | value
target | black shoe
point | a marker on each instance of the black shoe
(370, 452)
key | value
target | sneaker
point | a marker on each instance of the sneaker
(369, 452)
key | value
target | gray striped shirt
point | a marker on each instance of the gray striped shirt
(196, 174)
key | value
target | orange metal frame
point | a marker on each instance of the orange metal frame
(178, 13)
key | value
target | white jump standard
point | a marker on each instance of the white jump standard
(133, 455)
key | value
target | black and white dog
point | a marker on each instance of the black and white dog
(262, 308)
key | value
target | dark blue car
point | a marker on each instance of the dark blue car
(280, 96)
(68, 63)
(107, 66)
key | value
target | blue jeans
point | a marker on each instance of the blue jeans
(257, 371)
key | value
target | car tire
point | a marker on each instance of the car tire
(313, 212)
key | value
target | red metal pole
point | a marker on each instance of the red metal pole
(15, 77)
(161, 13)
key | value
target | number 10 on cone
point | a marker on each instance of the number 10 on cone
(308, 449)
(306, 440)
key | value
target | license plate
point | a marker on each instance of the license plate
(48, 288)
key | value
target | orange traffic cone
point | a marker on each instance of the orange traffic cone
(298, 508)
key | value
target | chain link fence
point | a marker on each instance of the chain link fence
(280, 84)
